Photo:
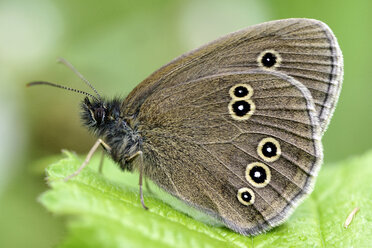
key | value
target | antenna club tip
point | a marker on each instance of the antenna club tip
(60, 60)
(30, 84)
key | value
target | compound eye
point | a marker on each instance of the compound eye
(99, 115)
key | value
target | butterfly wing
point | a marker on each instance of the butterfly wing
(199, 143)
(305, 49)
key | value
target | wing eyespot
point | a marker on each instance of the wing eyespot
(241, 91)
(269, 149)
(241, 109)
(269, 59)
(246, 196)
(258, 174)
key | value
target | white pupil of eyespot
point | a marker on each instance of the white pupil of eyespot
(269, 149)
(257, 174)
(240, 107)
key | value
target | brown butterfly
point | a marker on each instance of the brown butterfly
(232, 128)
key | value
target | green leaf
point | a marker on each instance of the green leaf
(104, 210)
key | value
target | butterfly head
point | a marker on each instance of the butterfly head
(99, 114)
(105, 120)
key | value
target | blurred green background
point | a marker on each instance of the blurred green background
(116, 44)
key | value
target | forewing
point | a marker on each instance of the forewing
(307, 50)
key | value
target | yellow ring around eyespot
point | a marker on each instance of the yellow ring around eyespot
(232, 89)
(278, 59)
(278, 149)
(239, 195)
(250, 180)
(247, 115)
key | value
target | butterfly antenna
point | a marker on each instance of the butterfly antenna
(72, 68)
(62, 87)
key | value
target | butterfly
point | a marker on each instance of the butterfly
(232, 128)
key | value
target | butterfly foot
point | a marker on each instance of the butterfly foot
(87, 159)
(143, 203)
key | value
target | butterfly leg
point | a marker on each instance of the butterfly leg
(140, 186)
(87, 159)
(101, 162)
(139, 153)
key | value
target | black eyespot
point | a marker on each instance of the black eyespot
(269, 59)
(241, 108)
(246, 196)
(258, 174)
(269, 149)
(241, 91)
